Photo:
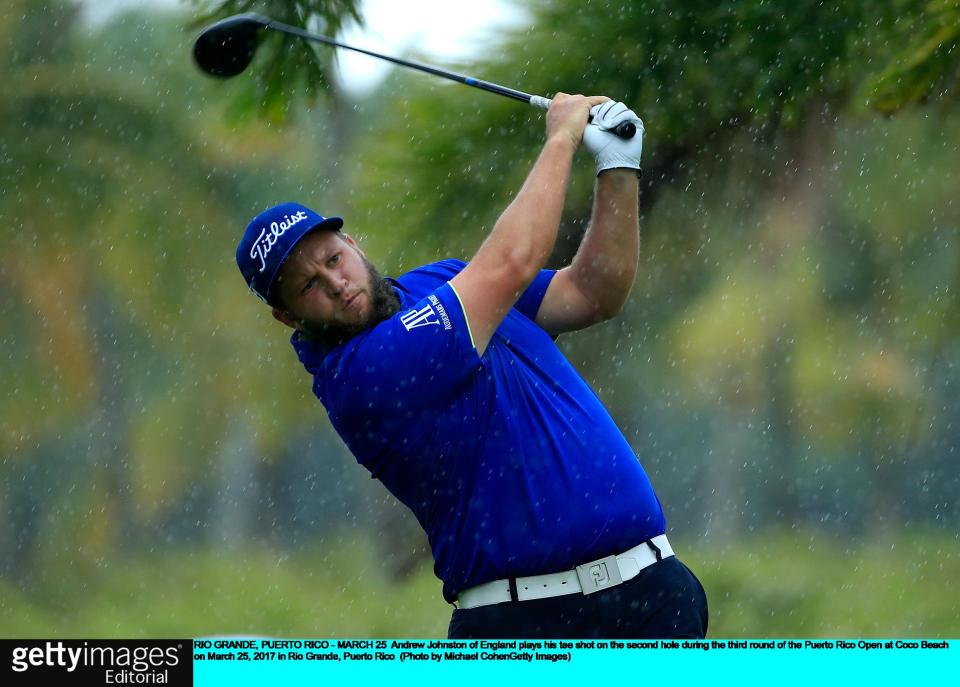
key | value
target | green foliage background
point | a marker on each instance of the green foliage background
(785, 368)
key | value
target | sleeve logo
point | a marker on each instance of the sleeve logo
(426, 315)
(419, 318)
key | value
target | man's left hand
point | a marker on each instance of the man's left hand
(609, 150)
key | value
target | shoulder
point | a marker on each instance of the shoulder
(434, 273)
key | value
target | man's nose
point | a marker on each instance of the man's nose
(336, 285)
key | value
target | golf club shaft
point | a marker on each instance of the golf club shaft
(535, 100)
(624, 130)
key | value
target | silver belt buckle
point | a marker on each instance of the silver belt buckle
(599, 574)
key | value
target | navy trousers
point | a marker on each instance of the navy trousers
(665, 601)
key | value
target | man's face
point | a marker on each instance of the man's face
(329, 290)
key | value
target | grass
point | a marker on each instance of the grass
(808, 586)
(775, 585)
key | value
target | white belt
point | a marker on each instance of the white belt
(586, 579)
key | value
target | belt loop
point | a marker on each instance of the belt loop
(656, 549)
(513, 589)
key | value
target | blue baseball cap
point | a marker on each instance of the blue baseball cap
(270, 237)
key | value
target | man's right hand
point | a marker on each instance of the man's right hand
(567, 116)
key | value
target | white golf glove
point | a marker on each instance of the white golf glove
(609, 150)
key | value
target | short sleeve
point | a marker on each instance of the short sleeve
(413, 360)
(529, 302)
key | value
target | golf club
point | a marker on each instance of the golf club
(227, 47)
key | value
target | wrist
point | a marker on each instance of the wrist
(562, 141)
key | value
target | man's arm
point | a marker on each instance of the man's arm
(523, 237)
(595, 285)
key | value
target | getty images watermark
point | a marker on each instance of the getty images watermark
(110, 662)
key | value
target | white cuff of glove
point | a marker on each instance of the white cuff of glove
(617, 161)
(609, 150)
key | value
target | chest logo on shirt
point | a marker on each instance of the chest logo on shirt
(426, 315)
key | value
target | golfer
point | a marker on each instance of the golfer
(447, 385)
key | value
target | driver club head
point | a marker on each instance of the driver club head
(226, 47)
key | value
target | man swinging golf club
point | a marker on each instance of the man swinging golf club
(446, 384)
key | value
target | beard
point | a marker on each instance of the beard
(385, 303)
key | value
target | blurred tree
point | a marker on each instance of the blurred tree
(926, 65)
(119, 194)
(289, 70)
(72, 185)
(136, 410)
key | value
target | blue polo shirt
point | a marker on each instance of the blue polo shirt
(509, 461)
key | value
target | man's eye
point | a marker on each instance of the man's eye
(308, 285)
(334, 259)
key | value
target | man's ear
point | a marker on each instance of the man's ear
(349, 239)
(283, 316)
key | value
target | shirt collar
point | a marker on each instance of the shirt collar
(312, 353)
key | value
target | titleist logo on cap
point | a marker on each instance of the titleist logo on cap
(261, 247)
